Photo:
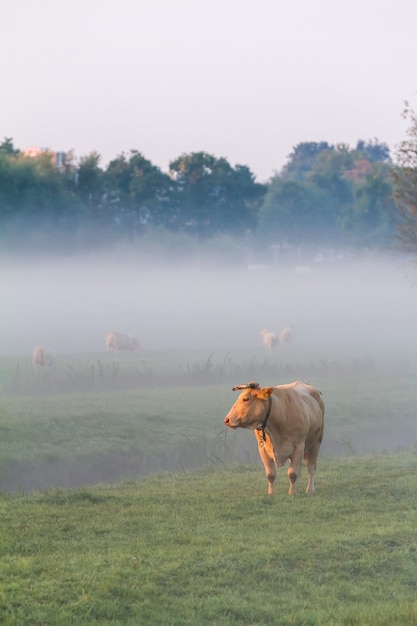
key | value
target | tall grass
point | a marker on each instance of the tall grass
(88, 373)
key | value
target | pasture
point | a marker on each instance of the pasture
(209, 547)
(125, 499)
(105, 417)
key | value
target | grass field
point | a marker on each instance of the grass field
(99, 418)
(196, 540)
(209, 547)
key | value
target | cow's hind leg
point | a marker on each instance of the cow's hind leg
(311, 460)
(266, 453)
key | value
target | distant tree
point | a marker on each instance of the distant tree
(36, 201)
(89, 182)
(296, 213)
(404, 177)
(369, 218)
(98, 224)
(302, 159)
(329, 193)
(213, 197)
(7, 147)
(374, 151)
(283, 212)
(138, 193)
(328, 174)
(9, 186)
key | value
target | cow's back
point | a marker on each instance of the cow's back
(301, 408)
(303, 387)
(121, 342)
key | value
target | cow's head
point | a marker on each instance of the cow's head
(250, 408)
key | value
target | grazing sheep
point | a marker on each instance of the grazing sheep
(269, 339)
(42, 356)
(122, 342)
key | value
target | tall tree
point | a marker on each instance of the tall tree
(374, 150)
(37, 205)
(7, 147)
(138, 191)
(330, 193)
(296, 213)
(369, 218)
(98, 225)
(404, 176)
(89, 179)
(213, 197)
(302, 159)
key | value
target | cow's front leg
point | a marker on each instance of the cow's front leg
(266, 452)
(294, 469)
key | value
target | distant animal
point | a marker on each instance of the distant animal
(287, 335)
(269, 339)
(42, 357)
(288, 422)
(121, 342)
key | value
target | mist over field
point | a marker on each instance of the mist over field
(71, 304)
(89, 417)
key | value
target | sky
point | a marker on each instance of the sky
(246, 80)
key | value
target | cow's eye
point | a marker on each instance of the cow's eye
(245, 399)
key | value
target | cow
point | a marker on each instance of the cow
(121, 342)
(286, 335)
(269, 339)
(288, 422)
(42, 357)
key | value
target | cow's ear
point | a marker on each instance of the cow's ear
(265, 392)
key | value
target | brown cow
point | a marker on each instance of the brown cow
(288, 422)
(121, 342)
(269, 339)
(286, 335)
(42, 356)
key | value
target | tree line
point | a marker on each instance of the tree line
(324, 194)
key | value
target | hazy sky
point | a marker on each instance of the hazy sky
(242, 79)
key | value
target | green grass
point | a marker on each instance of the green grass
(209, 547)
(205, 546)
(111, 427)
(88, 438)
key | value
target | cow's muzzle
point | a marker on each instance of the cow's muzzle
(228, 422)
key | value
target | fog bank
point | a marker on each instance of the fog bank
(71, 305)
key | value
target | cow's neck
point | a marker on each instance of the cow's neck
(266, 418)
